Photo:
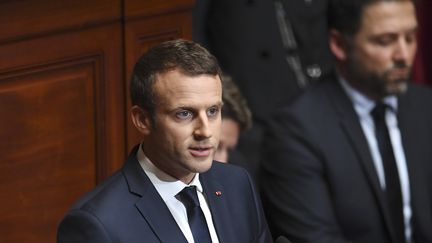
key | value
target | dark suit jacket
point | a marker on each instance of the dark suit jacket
(319, 181)
(127, 208)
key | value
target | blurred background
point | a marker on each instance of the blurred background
(64, 71)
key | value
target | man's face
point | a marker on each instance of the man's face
(380, 56)
(228, 140)
(188, 123)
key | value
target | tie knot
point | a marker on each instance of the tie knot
(188, 196)
(378, 112)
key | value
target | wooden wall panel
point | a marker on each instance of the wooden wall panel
(139, 8)
(24, 18)
(62, 119)
(48, 148)
(140, 35)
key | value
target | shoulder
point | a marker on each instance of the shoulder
(315, 104)
(317, 95)
(91, 217)
(109, 195)
(417, 98)
(416, 103)
(419, 93)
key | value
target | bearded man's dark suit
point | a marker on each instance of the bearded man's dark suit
(127, 208)
(319, 180)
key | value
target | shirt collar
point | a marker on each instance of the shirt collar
(167, 186)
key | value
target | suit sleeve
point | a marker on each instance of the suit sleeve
(296, 195)
(81, 227)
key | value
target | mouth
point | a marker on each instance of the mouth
(200, 151)
(400, 74)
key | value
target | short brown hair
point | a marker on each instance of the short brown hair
(189, 57)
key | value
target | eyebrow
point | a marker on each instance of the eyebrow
(186, 107)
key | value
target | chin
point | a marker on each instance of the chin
(208, 163)
(397, 88)
(200, 166)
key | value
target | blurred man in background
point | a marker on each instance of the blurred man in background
(236, 118)
(351, 159)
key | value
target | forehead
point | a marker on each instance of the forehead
(388, 16)
(174, 88)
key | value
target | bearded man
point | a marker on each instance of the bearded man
(351, 159)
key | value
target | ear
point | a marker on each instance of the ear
(338, 45)
(141, 119)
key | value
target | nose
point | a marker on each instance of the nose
(404, 51)
(202, 128)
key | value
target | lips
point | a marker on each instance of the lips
(200, 151)
(399, 73)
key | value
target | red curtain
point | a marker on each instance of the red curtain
(423, 63)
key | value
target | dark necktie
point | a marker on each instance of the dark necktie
(393, 188)
(197, 222)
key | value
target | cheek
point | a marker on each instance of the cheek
(232, 141)
(231, 132)
(412, 51)
(377, 58)
(229, 138)
(175, 136)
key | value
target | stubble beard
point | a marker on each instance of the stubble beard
(377, 85)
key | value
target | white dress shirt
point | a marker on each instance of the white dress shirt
(363, 107)
(168, 187)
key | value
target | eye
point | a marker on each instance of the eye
(213, 111)
(411, 38)
(183, 114)
(384, 40)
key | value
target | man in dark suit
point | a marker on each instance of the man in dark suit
(273, 49)
(170, 189)
(351, 159)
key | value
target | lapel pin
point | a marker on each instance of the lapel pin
(218, 193)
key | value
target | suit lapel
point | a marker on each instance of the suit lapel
(159, 218)
(150, 204)
(351, 126)
(218, 206)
